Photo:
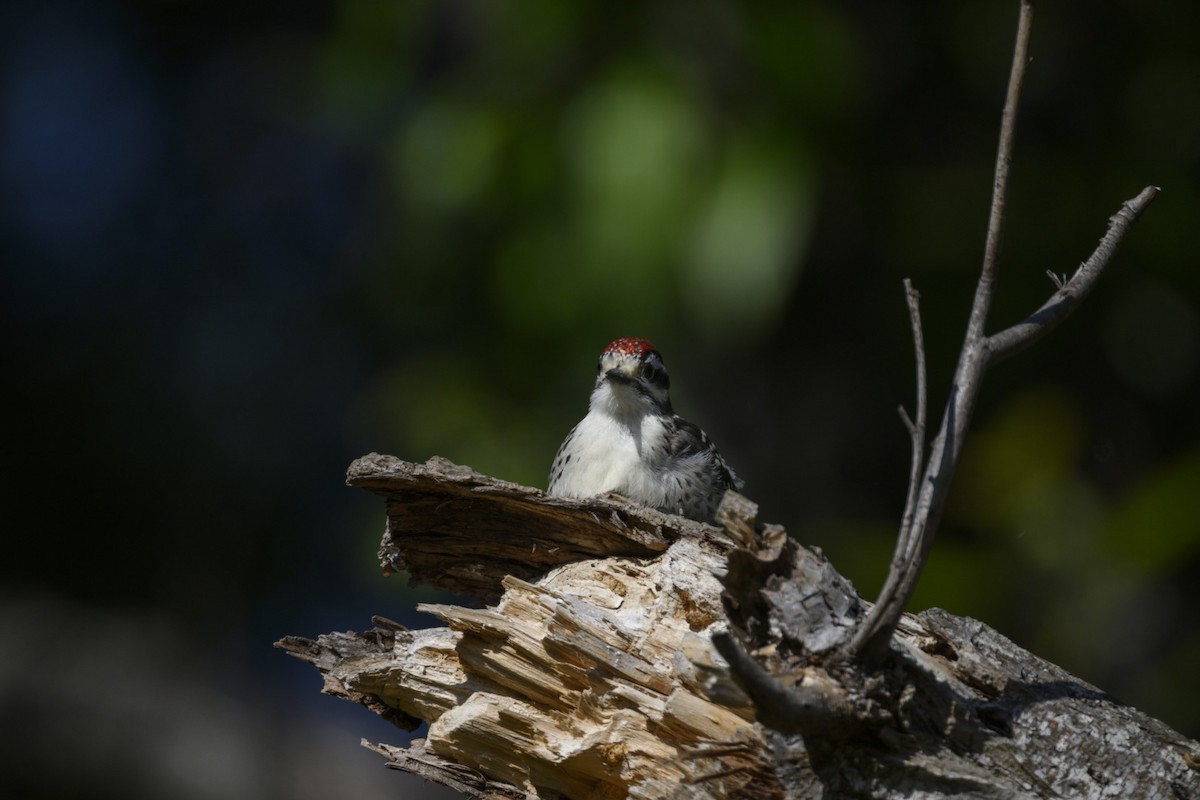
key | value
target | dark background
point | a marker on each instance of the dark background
(244, 243)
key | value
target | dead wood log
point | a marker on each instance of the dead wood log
(627, 653)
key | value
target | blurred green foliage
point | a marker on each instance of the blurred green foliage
(286, 239)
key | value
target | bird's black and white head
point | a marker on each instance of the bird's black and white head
(631, 378)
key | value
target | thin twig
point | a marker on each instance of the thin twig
(916, 429)
(1071, 293)
(984, 290)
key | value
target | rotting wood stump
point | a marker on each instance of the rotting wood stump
(591, 670)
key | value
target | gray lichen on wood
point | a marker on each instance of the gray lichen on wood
(593, 674)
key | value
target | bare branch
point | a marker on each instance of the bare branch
(871, 641)
(916, 429)
(985, 289)
(1071, 293)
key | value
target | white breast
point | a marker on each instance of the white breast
(608, 454)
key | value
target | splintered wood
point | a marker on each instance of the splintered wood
(583, 683)
(589, 677)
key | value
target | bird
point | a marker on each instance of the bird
(632, 443)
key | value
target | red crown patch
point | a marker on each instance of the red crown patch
(630, 347)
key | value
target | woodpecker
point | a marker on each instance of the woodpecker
(631, 441)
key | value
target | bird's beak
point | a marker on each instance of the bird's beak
(618, 375)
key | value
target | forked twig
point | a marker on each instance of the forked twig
(1071, 292)
(929, 487)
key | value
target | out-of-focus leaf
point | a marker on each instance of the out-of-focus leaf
(1152, 338)
(1157, 525)
(1029, 448)
(744, 255)
(448, 154)
(634, 147)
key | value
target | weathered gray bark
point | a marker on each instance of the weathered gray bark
(594, 672)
